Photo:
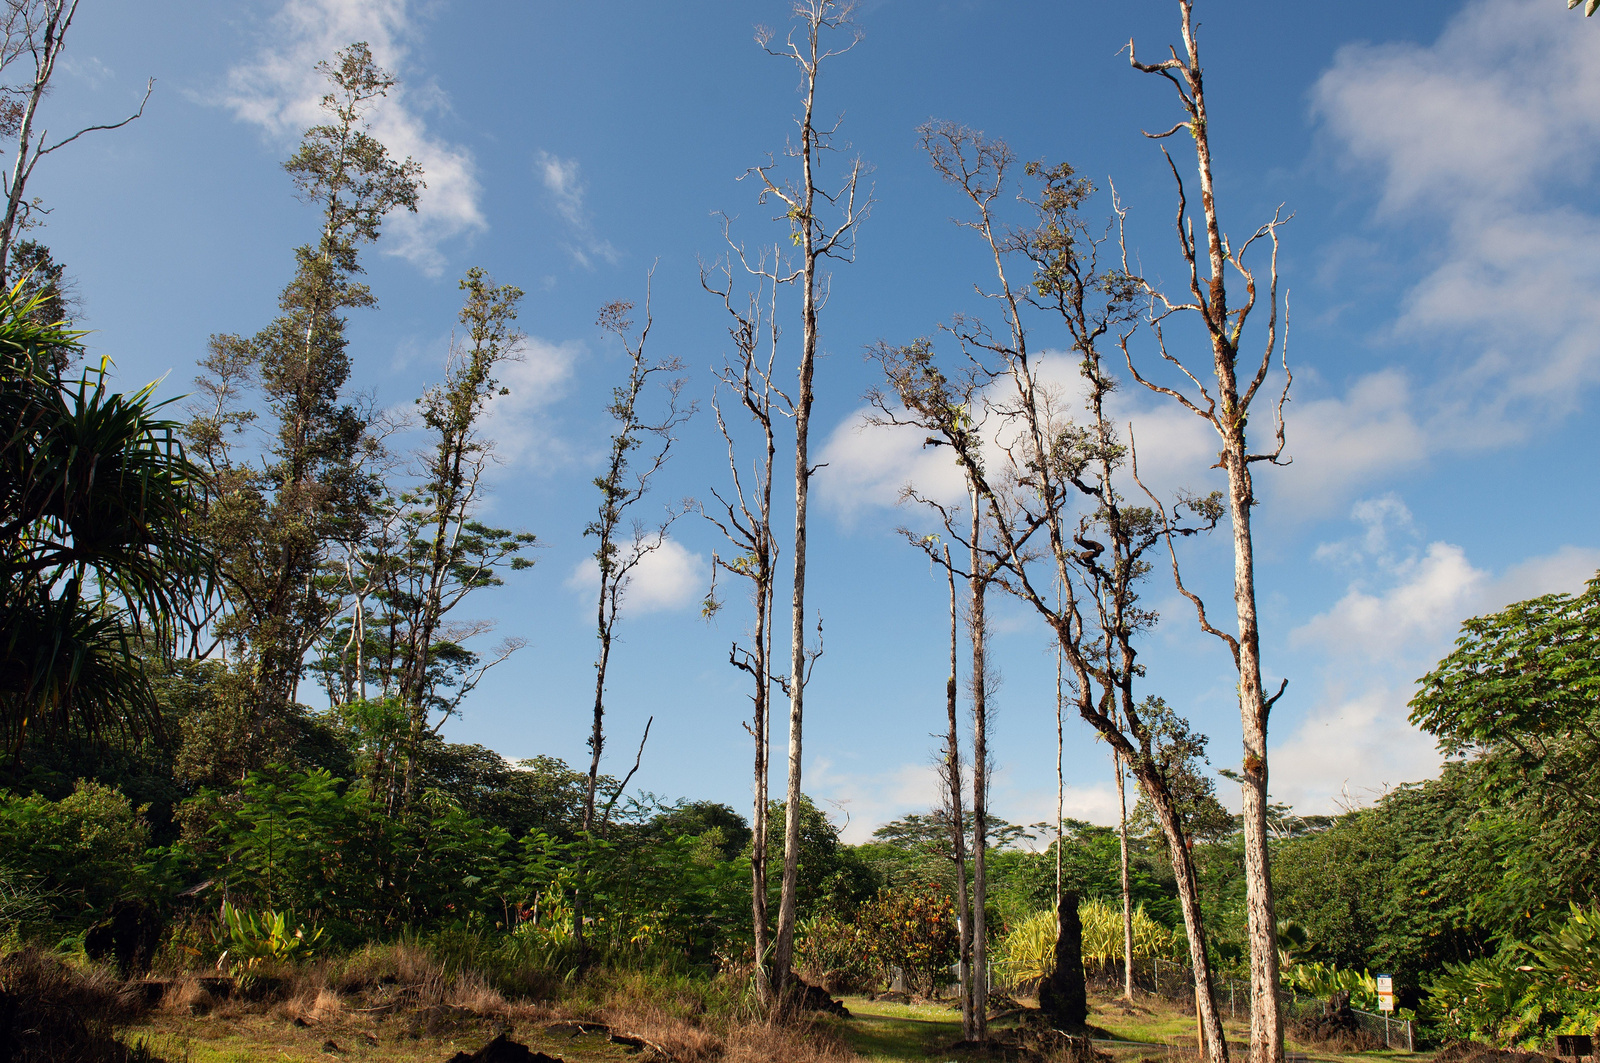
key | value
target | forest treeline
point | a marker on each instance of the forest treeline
(230, 640)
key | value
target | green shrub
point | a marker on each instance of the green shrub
(68, 860)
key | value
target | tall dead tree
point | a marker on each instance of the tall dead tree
(966, 528)
(1127, 885)
(621, 550)
(32, 34)
(958, 822)
(979, 575)
(1225, 405)
(746, 522)
(816, 240)
(1051, 499)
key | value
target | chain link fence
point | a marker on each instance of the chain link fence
(1317, 1018)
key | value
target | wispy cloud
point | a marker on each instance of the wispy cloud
(868, 464)
(280, 91)
(526, 433)
(669, 578)
(1485, 141)
(564, 182)
(1400, 612)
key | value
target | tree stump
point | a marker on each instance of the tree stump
(1063, 998)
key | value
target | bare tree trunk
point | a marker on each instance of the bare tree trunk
(1061, 780)
(1228, 413)
(1210, 1019)
(1127, 891)
(597, 741)
(958, 824)
(816, 242)
(980, 785)
(758, 842)
(788, 899)
(750, 531)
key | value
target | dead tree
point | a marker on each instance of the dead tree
(620, 552)
(1051, 498)
(745, 519)
(34, 31)
(816, 241)
(1225, 405)
(967, 529)
(958, 822)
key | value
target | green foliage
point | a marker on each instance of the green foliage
(828, 945)
(1324, 980)
(1027, 952)
(1520, 694)
(97, 555)
(68, 860)
(251, 939)
(1527, 991)
(1519, 679)
(1413, 882)
(832, 876)
(912, 927)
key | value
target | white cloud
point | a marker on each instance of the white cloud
(280, 91)
(869, 465)
(564, 181)
(1398, 617)
(521, 423)
(1489, 137)
(861, 802)
(669, 578)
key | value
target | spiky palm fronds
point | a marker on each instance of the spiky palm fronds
(96, 549)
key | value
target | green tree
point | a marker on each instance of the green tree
(78, 854)
(277, 523)
(426, 551)
(1520, 694)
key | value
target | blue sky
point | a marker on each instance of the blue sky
(1444, 267)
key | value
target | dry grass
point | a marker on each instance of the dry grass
(185, 995)
(806, 1042)
(401, 1001)
(51, 1010)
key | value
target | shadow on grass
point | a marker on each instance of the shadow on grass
(900, 1032)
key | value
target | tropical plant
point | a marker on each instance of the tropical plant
(252, 938)
(97, 556)
(912, 928)
(1028, 951)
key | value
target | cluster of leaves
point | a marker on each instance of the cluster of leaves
(96, 550)
(1027, 952)
(69, 857)
(1527, 991)
(254, 938)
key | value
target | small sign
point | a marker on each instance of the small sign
(1385, 992)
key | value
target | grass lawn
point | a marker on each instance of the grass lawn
(883, 1031)
(877, 1031)
(917, 1033)
(251, 1038)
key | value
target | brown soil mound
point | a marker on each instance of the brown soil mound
(503, 1050)
(1473, 1052)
